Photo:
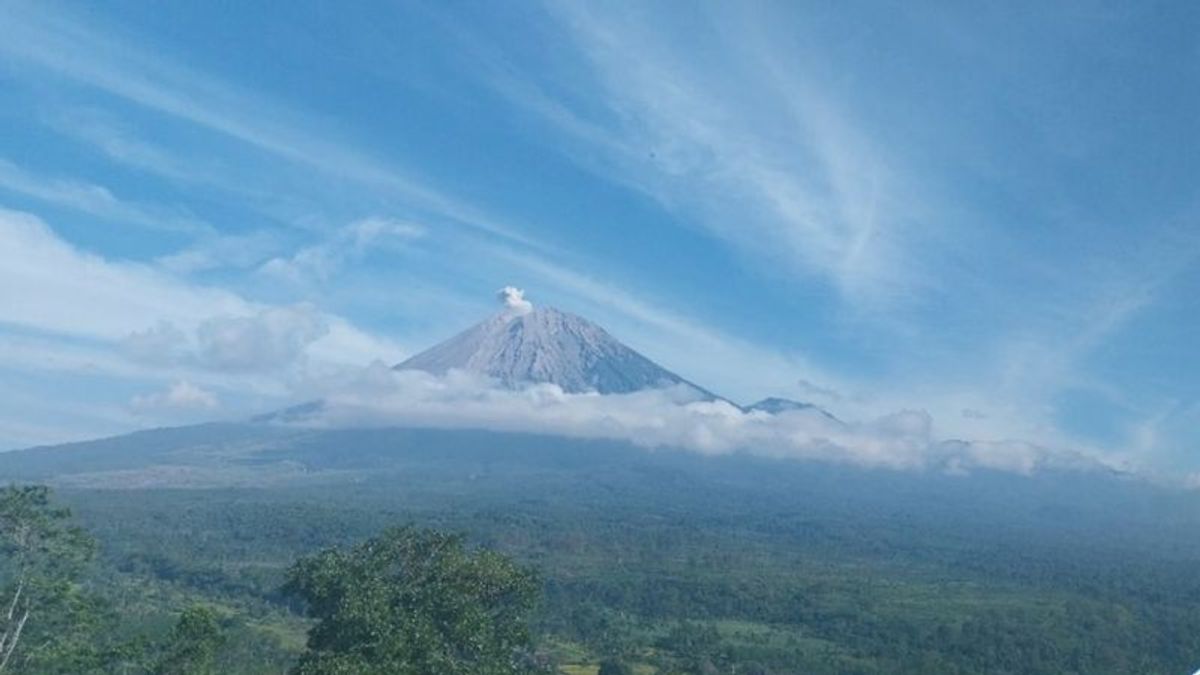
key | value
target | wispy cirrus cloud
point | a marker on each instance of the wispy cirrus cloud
(124, 145)
(349, 243)
(95, 200)
(746, 146)
(52, 39)
(237, 251)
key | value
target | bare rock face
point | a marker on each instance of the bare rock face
(547, 345)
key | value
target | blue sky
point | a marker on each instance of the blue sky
(985, 212)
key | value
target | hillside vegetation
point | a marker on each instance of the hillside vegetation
(675, 563)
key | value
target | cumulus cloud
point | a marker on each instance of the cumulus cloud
(161, 344)
(152, 317)
(268, 340)
(513, 299)
(49, 285)
(179, 396)
(666, 418)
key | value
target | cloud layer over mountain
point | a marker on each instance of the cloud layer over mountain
(667, 418)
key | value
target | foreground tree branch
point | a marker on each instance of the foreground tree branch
(41, 554)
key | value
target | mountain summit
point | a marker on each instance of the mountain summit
(522, 345)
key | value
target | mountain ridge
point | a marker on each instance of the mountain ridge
(775, 405)
(548, 345)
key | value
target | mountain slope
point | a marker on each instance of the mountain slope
(775, 406)
(547, 345)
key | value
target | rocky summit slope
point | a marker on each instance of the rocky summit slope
(551, 346)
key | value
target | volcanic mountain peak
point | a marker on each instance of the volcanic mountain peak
(527, 345)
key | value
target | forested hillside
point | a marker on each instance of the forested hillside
(675, 563)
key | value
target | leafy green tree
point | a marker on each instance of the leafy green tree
(414, 602)
(43, 612)
(192, 646)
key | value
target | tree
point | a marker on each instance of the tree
(41, 554)
(414, 602)
(192, 646)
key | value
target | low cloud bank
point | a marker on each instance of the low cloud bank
(663, 418)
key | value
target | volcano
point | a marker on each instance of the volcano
(547, 345)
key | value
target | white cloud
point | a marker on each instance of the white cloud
(117, 141)
(368, 231)
(748, 147)
(514, 301)
(49, 286)
(94, 200)
(237, 251)
(347, 245)
(671, 418)
(54, 39)
(94, 327)
(270, 339)
(179, 396)
(161, 344)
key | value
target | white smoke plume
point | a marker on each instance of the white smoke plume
(513, 299)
